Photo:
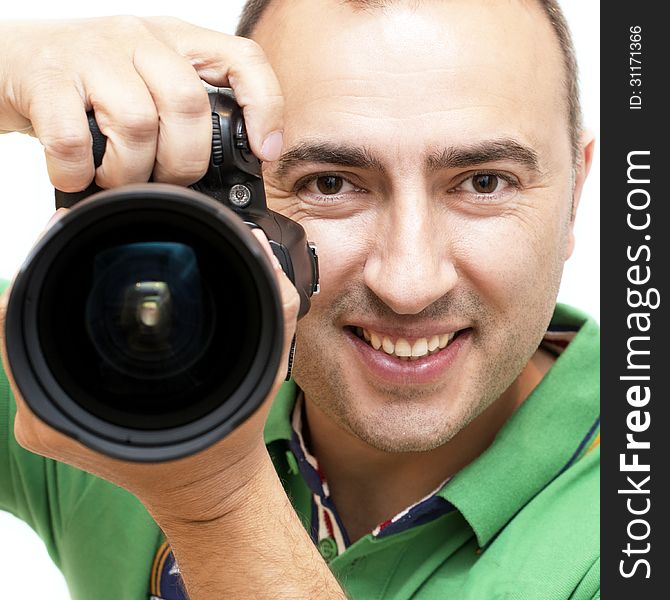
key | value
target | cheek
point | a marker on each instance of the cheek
(342, 245)
(511, 259)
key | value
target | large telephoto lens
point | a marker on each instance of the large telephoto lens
(146, 323)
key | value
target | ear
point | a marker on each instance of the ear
(582, 168)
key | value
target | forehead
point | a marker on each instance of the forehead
(437, 68)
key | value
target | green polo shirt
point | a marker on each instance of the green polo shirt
(525, 518)
(521, 522)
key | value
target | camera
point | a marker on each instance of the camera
(146, 323)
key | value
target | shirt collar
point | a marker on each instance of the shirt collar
(543, 437)
(278, 424)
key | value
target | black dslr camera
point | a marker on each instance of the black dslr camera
(147, 323)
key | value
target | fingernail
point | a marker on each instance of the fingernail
(272, 146)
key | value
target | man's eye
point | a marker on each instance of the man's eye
(329, 184)
(486, 184)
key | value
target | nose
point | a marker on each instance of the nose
(409, 266)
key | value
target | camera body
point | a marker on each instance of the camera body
(147, 322)
(234, 179)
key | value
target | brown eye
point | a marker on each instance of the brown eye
(485, 183)
(329, 184)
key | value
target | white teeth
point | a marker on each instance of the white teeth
(420, 347)
(375, 341)
(402, 348)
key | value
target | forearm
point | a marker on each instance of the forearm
(258, 550)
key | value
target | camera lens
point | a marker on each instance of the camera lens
(147, 313)
(146, 323)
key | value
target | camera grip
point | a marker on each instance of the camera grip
(99, 139)
(69, 199)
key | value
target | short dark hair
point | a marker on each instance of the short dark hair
(254, 9)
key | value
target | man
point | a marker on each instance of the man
(440, 438)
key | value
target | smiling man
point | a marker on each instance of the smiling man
(429, 154)
(440, 437)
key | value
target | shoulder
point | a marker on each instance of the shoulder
(553, 542)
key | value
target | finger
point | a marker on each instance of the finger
(59, 121)
(289, 298)
(221, 60)
(127, 116)
(185, 134)
(259, 234)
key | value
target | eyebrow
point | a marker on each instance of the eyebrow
(328, 152)
(504, 149)
(345, 155)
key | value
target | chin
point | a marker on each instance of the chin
(403, 426)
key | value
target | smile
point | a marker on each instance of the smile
(406, 360)
(403, 348)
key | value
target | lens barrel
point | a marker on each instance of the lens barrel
(146, 323)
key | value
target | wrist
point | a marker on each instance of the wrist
(252, 546)
(215, 497)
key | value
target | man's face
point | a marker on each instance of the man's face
(428, 157)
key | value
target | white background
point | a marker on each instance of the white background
(26, 203)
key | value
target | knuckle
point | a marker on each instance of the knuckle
(47, 56)
(164, 21)
(180, 171)
(173, 31)
(67, 145)
(116, 176)
(127, 23)
(250, 51)
(292, 303)
(137, 123)
(189, 100)
(270, 105)
(74, 182)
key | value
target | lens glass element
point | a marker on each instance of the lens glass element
(150, 319)
(147, 314)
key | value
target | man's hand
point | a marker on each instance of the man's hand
(142, 77)
(202, 487)
(214, 506)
